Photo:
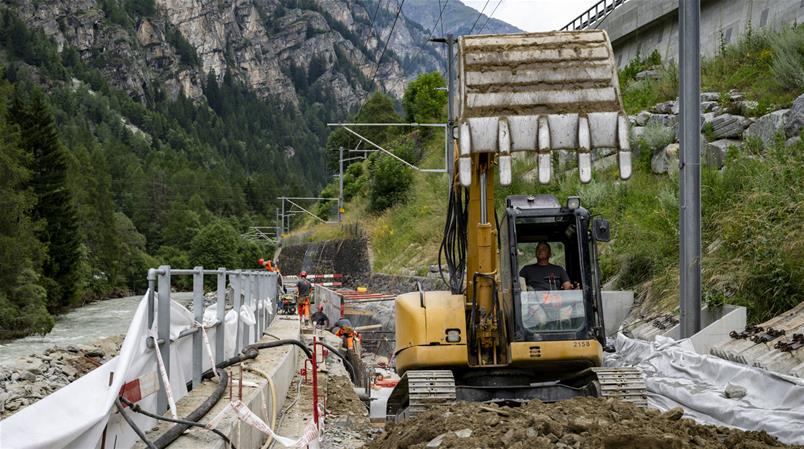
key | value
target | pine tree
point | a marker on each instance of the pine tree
(54, 202)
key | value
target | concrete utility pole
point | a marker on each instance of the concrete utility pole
(340, 184)
(689, 49)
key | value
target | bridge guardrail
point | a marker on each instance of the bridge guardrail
(593, 15)
(254, 295)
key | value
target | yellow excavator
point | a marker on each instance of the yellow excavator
(490, 337)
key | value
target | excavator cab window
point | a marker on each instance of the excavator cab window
(545, 310)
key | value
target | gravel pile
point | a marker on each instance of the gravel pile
(575, 424)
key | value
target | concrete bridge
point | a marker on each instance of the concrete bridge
(637, 27)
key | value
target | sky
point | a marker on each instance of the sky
(534, 15)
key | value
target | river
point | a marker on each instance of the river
(84, 325)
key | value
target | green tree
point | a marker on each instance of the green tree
(54, 200)
(216, 245)
(22, 299)
(423, 101)
(390, 183)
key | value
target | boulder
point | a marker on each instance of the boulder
(668, 120)
(795, 119)
(642, 118)
(766, 127)
(733, 391)
(709, 106)
(714, 153)
(792, 141)
(746, 107)
(728, 125)
(665, 108)
(710, 96)
(637, 132)
(647, 74)
(665, 160)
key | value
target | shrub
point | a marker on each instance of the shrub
(390, 183)
(788, 58)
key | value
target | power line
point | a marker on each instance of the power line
(429, 35)
(385, 47)
(478, 17)
(490, 16)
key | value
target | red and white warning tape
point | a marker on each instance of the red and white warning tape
(206, 344)
(309, 436)
(163, 373)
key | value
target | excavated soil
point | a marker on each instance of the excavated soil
(577, 424)
(342, 400)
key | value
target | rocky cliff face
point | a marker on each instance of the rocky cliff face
(283, 49)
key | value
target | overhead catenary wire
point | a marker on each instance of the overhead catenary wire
(488, 19)
(479, 15)
(382, 54)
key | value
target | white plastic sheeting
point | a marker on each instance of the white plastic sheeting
(76, 415)
(678, 376)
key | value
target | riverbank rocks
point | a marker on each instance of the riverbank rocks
(31, 378)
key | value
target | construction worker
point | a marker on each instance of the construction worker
(343, 329)
(303, 289)
(319, 318)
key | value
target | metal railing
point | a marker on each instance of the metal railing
(256, 290)
(593, 15)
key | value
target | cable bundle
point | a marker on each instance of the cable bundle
(453, 245)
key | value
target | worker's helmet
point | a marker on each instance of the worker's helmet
(303, 274)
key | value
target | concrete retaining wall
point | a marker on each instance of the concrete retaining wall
(640, 26)
(278, 363)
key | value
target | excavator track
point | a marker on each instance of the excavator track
(418, 390)
(627, 384)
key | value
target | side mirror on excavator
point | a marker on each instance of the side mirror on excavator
(601, 231)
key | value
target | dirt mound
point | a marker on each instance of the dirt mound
(574, 424)
(343, 401)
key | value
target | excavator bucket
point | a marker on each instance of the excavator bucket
(539, 92)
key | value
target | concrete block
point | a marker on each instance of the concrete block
(616, 305)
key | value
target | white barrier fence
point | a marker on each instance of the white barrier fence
(82, 414)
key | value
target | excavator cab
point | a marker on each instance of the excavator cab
(550, 313)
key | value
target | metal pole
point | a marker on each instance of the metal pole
(340, 181)
(450, 111)
(282, 226)
(198, 316)
(221, 311)
(163, 332)
(236, 281)
(690, 170)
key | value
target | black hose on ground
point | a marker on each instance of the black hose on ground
(136, 428)
(175, 432)
(136, 408)
(249, 352)
(274, 344)
(346, 363)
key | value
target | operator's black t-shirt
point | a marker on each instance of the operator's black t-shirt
(544, 277)
(303, 287)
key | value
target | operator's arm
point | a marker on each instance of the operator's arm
(566, 284)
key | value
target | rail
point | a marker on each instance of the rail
(593, 15)
(252, 290)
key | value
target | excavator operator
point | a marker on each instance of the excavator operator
(544, 275)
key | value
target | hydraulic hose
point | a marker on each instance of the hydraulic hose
(346, 362)
(136, 428)
(274, 344)
(175, 432)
